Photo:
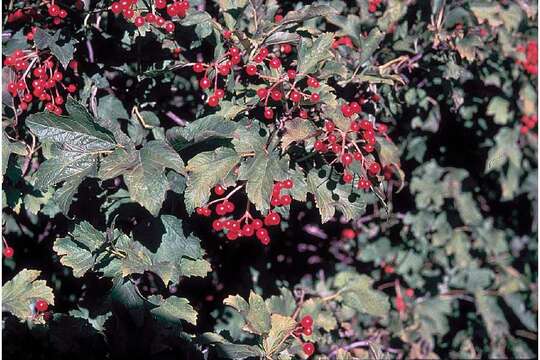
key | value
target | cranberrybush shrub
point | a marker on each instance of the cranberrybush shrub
(262, 179)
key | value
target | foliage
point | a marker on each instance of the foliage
(198, 178)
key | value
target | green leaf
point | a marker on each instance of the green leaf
(238, 351)
(173, 309)
(258, 318)
(212, 126)
(499, 109)
(281, 328)
(110, 107)
(62, 49)
(21, 292)
(306, 13)
(77, 131)
(356, 291)
(260, 172)
(310, 55)
(297, 130)
(205, 170)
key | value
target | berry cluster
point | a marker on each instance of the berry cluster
(531, 57)
(528, 123)
(35, 79)
(305, 327)
(373, 5)
(139, 18)
(57, 13)
(246, 225)
(348, 146)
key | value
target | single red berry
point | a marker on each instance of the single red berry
(217, 225)
(308, 348)
(355, 107)
(257, 224)
(288, 184)
(235, 59)
(389, 269)
(220, 209)
(307, 331)
(150, 18)
(205, 83)
(346, 159)
(272, 218)
(213, 101)
(285, 48)
(275, 63)
(348, 233)
(220, 93)
(251, 69)
(319, 146)
(139, 21)
(348, 178)
(198, 67)
(366, 125)
(62, 14)
(329, 126)
(382, 128)
(248, 230)
(275, 201)
(265, 240)
(303, 114)
(291, 74)
(374, 168)
(355, 126)
(315, 97)
(227, 34)
(224, 70)
(261, 233)
(268, 113)
(229, 206)
(263, 52)
(219, 190)
(160, 4)
(169, 27)
(286, 200)
(278, 18)
(9, 252)
(275, 95)
(409, 292)
(27, 97)
(262, 93)
(312, 82)
(54, 10)
(41, 305)
(71, 88)
(207, 212)
(233, 235)
(306, 321)
(346, 110)
(295, 96)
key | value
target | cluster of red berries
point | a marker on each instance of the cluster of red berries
(177, 8)
(373, 5)
(345, 41)
(221, 67)
(57, 13)
(305, 327)
(246, 226)
(45, 85)
(344, 145)
(528, 123)
(531, 57)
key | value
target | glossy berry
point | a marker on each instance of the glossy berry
(139, 21)
(213, 101)
(8, 252)
(261, 233)
(257, 224)
(227, 34)
(291, 74)
(312, 82)
(303, 114)
(409, 292)
(248, 230)
(288, 184)
(346, 159)
(315, 97)
(389, 269)
(308, 348)
(355, 107)
(219, 190)
(348, 233)
(346, 110)
(268, 113)
(295, 96)
(205, 83)
(262, 93)
(319, 146)
(275, 95)
(374, 168)
(54, 10)
(198, 67)
(286, 200)
(307, 331)
(272, 218)
(251, 70)
(348, 178)
(220, 93)
(306, 321)
(278, 18)
(41, 305)
(229, 206)
(169, 27)
(233, 235)
(329, 126)
(275, 63)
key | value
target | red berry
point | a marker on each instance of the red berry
(198, 67)
(409, 292)
(219, 190)
(285, 200)
(355, 126)
(319, 146)
(205, 83)
(348, 233)
(217, 225)
(220, 93)
(248, 230)
(262, 93)
(315, 97)
(366, 125)
(346, 159)
(329, 126)
(169, 27)
(306, 321)
(355, 107)
(275, 95)
(275, 63)
(41, 305)
(312, 82)
(263, 53)
(265, 240)
(348, 178)
(139, 21)
(272, 218)
(374, 168)
(303, 114)
(268, 113)
(229, 206)
(308, 348)
(54, 10)
(227, 34)
(278, 18)
(261, 233)
(235, 59)
(291, 74)
(9, 252)
(62, 14)
(160, 4)
(233, 235)
(285, 48)
(213, 101)
(220, 209)
(346, 110)
(251, 70)
(389, 269)
(257, 224)
(71, 88)
(307, 331)
(150, 18)
(234, 51)
(224, 70)
(295, 96)
(382, 128)
(288, 184)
